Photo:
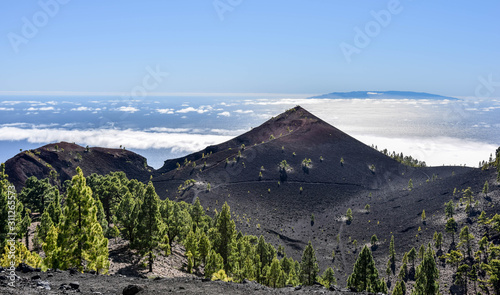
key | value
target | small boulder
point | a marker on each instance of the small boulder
(132, 290)
(35, 277)
(43, 285)
(24, 268)
(74, 285)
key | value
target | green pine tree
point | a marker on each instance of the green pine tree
(148, 235)
(293, 279)
(448, 209)
(486, 188)
(44, 227)
(214, 264)
(328, 278)
(365, 275)
(127, 214)
(204, 247)
(191, 245)
(400, 288)
(80, 241)
(273, 274)
(54, 209)
(451, 228)
(465, 240)
(427, 276)
(392, 254)
(226, 232)
(309, 265)
(51, 250)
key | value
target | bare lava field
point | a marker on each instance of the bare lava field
(280, 207)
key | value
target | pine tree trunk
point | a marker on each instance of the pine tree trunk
(27, 238)
(151, 261)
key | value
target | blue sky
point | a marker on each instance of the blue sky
(279, 46)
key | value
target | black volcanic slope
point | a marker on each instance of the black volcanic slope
(281, 209)
(64, 157)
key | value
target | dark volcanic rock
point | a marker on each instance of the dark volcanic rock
(22, 267)
(132, 290)
(74, 285)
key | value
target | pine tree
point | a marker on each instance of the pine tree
(197, 212)
(439, 241)
(293, 279)
(54, 209)
(451, 228)
(412, 255)
(454, 258)
(493, 271)
(214, 264)
(392, 254)
(226, 231)
(127, 214)
(364, 276)
(51, 249)
(44, 227)
(328, 277)
(273, 274)
(309, 265)
(374, 240)
(410, 184)
(486, 188)
(25, 225)
(421, 252)
(423, 216)
(191, 245)
(37, 194)
(80, 242)
(400, 288)
(204, 246)
(427, 276)
(190, 264)
(465, 239)
(448, 209)
(101, 216)
(148, 236)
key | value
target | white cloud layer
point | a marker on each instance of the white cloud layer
(435, 151)
(113, 138)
